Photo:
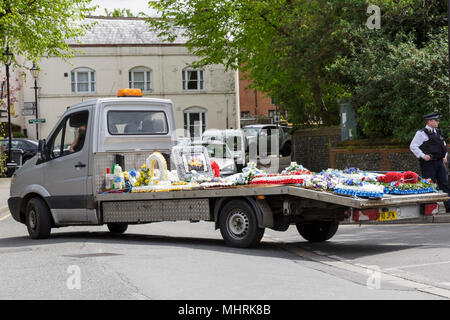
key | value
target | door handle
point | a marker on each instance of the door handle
(80, 165)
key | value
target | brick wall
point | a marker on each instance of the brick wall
(374, 159)
(256, 103)
(312, 147)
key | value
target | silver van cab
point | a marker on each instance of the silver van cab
(59, 178)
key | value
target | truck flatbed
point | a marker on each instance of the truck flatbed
(273, 190)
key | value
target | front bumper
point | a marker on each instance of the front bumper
(14, 207)
(227, 173)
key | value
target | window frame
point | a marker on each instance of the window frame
(200, 79)
(245, 114)
(194, 110)
(147, 78)
(91, 82)
(61, 129)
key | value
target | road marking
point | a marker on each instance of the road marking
(5, 217)
(363, 270)
(417, 265)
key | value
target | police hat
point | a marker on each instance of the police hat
(432, 116)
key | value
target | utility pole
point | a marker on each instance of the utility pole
(256, 101)
(35, 73)
(8, 59)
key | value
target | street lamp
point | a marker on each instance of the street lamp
(35, 73)
(7, 59)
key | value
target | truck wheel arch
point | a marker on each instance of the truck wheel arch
(221, 202)
(24, 204)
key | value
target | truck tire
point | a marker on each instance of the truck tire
(239, 226)
(117, 228)
(38, 219)
(317, 231)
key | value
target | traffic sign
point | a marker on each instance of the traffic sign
(41, 120)
(28, 112)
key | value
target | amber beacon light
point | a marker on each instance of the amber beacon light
(129, 93)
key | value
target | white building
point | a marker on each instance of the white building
(122, 53)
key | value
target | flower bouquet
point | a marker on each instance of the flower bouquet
(405, 183)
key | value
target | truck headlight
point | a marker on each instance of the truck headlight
(229, 167)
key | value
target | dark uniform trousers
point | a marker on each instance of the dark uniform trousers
(436, 171)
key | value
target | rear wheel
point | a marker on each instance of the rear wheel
(239, 226)
(38, 219)
(317, 231)
(117, 228)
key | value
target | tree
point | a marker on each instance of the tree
(397, 74)
(245, 34)
(284, 46)
(36, 28)
(310, 54)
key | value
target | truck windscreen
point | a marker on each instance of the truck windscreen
(137, 122)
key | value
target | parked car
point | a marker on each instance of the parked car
(22, 150)
(235, 140)
(29, 147)
(220, 153)
(256, 132)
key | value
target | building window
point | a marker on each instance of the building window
(139, 78)
(195, 121)
(83, 80)
(271, 113)
(245, 114)
(193, 79)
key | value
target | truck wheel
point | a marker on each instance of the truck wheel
(317, 231)
(239, 226)
(38, 219)
(117, 228)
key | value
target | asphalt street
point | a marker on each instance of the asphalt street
(181, 260)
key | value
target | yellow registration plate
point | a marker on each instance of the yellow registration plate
(388, 215)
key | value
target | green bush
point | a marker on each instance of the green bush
(396, 83)
(19, 134)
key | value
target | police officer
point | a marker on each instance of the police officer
(429, 147)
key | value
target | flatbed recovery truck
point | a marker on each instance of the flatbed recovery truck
(60, 187)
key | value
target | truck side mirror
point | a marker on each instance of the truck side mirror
(42, 150)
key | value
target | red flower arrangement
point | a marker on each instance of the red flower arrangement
(411, 177)
(408, 177)
(215, 168)
(283, 181)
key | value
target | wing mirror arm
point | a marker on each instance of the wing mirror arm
(43, 154)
